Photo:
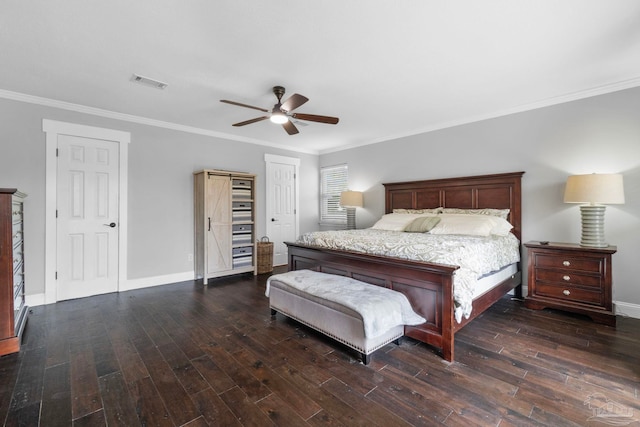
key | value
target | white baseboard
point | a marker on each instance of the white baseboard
(132, 284)
(147, 282)
(626, 309)
(34, 300)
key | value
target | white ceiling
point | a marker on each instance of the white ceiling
(386, 68)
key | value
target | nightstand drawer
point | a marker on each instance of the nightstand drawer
(567, 278)
(568, 293)
(567, 262)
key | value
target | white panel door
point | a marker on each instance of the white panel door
(282, 216)
(87, 223)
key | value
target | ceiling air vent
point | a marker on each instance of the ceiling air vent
(148, 82)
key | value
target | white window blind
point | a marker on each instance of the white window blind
(333, 181)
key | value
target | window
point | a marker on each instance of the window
(333, 181)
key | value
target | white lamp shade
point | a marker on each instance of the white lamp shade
(594, 189)
(351, 199)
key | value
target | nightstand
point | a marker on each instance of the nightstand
(571, 277)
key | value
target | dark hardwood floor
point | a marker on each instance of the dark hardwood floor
(184, 354)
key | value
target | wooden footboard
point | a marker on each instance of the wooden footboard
(429, 287)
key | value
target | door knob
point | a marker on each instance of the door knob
(273, 220)
(112, 225)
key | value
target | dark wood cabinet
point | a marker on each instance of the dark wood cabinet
(571, 277)
(13, 311)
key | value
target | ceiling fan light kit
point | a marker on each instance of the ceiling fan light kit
(278, 117)
(282, 111)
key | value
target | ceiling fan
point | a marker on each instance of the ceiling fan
(281, 113)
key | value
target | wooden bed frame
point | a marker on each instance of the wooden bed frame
(428, 286)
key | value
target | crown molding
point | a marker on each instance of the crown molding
(548, 102)
(53, 103)
(561, 99)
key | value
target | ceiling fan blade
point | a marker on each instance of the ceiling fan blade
(293, 102)
(243, 105)
(248, 122)
(290, 127)
(316, 118)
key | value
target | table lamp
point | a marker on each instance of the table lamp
(595, 191)
(351, 200)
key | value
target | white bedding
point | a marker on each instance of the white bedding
(381, 310)
(476, 256)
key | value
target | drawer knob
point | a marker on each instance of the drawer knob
(566, 278)
(566, 292)
(566, 263)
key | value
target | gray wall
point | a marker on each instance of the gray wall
(599, 134)
(160, 186)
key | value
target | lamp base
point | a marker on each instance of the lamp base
(351, 218)
(593, 226)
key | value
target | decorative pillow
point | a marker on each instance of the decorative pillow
(418, 211)
(472, 225)
(500, 213)
(422, 224)
(396, 221)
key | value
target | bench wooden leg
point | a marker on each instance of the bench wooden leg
(366, 358)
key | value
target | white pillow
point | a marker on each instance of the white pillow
(471, 225)
(396, 221)
(501, 226)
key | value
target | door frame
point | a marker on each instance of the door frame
(269, 160)
(52, 129)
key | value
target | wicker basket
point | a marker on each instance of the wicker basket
(264, 254)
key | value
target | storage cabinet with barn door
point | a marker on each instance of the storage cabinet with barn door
(13, 311)
(224, 223)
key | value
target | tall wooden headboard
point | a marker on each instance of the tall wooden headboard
(498, 191)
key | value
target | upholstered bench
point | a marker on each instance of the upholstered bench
(361, 316)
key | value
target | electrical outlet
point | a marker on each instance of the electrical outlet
(189, 257)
